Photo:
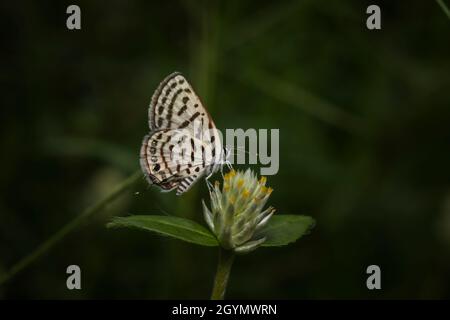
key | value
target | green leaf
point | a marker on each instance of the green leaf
(284, 229)
(179, 228)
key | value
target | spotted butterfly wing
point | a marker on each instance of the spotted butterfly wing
(170, 159)
(183, 144)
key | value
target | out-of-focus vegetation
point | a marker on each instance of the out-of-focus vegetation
(364, 122)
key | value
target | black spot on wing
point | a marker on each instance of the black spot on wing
(192, 118)
(184, 124)
(182, 109)
(195, 115)
(203, 156)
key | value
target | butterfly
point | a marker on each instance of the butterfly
(184, 143)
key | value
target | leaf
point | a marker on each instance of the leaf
(179, 228)
(284, 229)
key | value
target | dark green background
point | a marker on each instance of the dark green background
(364, 142)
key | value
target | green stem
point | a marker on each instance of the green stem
(71, 225)
(226, 258)
(444, 8)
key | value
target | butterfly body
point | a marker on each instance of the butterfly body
(184, 144)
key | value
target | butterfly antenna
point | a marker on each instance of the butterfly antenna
(228, 163)
(243, 149)
(209, 185)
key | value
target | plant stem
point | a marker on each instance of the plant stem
(444, 8)
(226, 258)
(71, 225)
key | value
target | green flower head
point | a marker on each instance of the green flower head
(237, 216)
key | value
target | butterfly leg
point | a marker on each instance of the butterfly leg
(221, 171)
(228, 163)
(208, 183)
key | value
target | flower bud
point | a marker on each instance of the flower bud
(237, 214)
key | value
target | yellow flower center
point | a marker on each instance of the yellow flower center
(263, 180)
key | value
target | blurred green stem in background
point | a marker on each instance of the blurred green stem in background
(226, 258)
(107, 152)
(263, 20)
(444, 8)
(61, 233)
(303, 100)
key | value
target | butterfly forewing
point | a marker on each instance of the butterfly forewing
(175, 105)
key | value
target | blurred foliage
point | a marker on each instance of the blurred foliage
(364, 126)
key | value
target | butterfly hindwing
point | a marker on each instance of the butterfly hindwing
(186, 183)
(173, 159)
(153, 160)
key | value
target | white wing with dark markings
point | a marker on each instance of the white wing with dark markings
(184, 143)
